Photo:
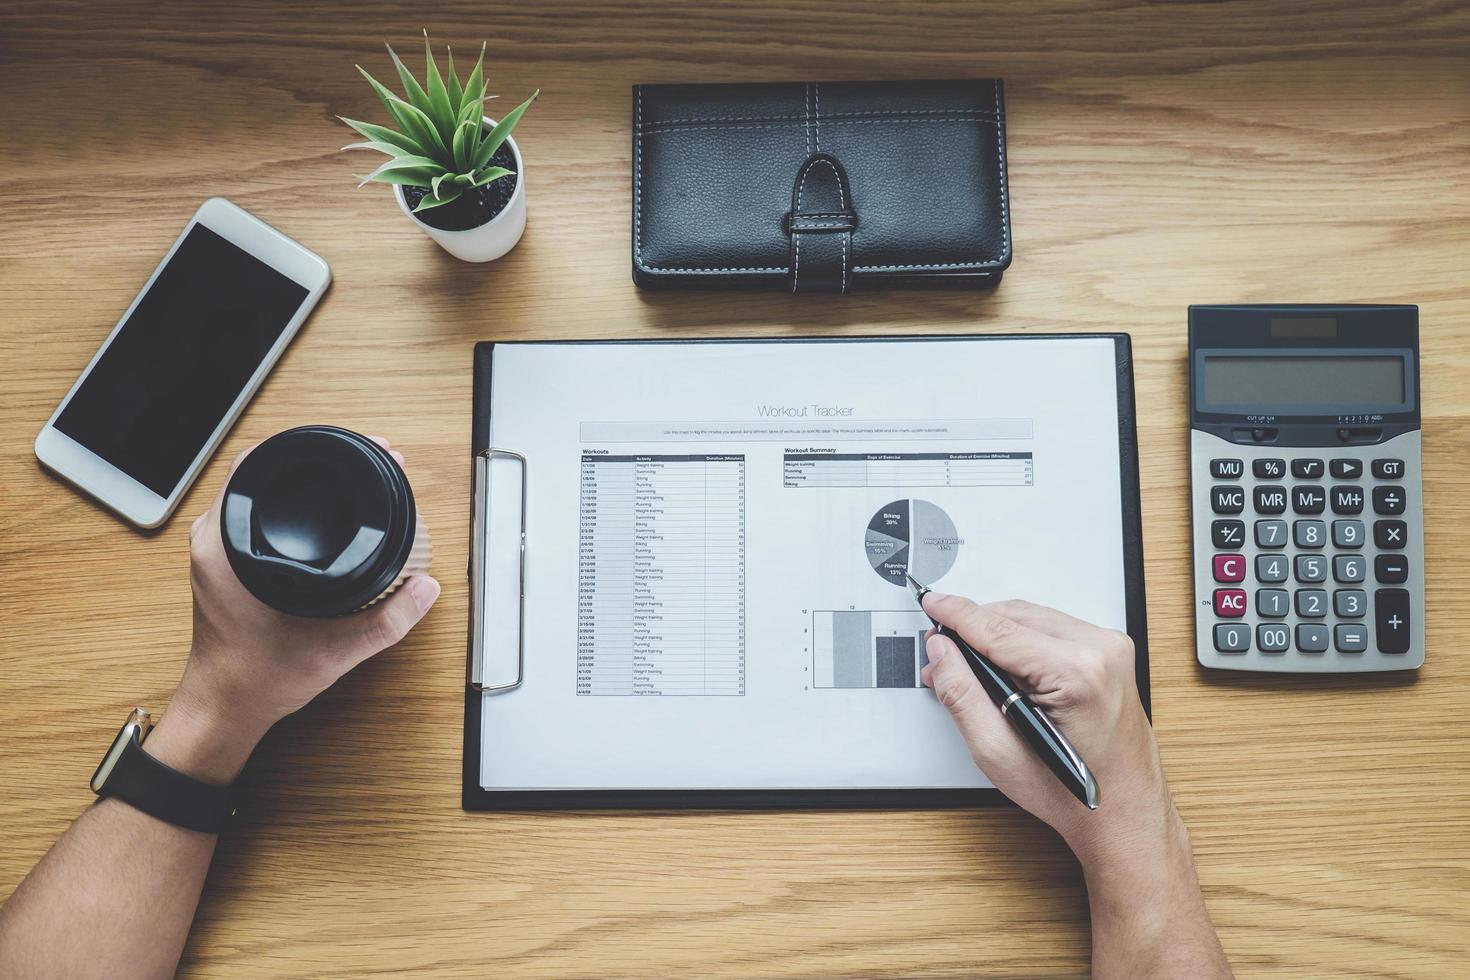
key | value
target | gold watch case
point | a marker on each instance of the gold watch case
(138, 725)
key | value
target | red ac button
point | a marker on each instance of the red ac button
(1230, 568)
(1230, 603)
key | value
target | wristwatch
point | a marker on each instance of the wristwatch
(141, 781)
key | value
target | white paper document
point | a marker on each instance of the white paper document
(717, 535)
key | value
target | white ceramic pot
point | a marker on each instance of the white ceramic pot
(495, 237)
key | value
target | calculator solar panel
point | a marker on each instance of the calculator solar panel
(1306, 489)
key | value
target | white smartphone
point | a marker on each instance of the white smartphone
(174, 374)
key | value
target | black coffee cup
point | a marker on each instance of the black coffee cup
(320, 521)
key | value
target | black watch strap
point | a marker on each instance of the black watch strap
(144, 783)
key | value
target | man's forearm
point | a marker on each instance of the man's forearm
(113, 897)
(116, 894)
(1148, 916)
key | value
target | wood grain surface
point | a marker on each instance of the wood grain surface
(1160, 154)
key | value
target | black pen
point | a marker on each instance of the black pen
(1023, 714)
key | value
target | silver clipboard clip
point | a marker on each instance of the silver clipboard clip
(478, 584)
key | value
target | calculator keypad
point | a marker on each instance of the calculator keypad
(1313, 556)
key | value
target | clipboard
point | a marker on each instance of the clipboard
(474, 797)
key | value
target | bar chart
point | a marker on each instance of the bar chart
(868, 648)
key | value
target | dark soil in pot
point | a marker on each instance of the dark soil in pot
(476, 206)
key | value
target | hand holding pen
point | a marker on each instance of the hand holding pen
(1081, 677)
(1027, 718)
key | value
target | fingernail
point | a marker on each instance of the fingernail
(936, 596)
(935, 648)
(424, 591)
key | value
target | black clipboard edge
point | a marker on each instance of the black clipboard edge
(474, 797)
(1135, 591)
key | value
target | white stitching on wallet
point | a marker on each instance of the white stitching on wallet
(1000, 156)
(998, 122)
(655, 128)
(806, 91)
(637, 176)
(795, 236)
(777, 117)
(845, 236)
(841, 196)
(796, 263)
(796, 233)
(818, 87)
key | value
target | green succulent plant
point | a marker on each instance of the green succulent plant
(439, 142)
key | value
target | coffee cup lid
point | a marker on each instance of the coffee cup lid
(318, 521)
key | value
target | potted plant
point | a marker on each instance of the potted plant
(456, 172)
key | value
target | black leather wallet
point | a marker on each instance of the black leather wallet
(820, 186)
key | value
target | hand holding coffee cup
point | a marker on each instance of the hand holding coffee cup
(320, 521)
(252, 664)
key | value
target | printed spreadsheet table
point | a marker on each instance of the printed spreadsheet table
(993, 469)
(661, 581)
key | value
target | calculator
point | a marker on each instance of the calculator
(1305, 488)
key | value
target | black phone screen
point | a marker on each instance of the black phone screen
(181, 359)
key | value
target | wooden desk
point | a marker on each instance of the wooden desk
(1159, 155)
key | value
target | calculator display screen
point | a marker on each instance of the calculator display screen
(1302, 384)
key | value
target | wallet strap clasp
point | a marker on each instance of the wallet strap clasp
(820, 226)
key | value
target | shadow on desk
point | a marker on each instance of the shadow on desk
(897, 310)
(1306, 683)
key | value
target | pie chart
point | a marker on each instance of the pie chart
(911, 537)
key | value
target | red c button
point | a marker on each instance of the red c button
(1230, 568)
(1230, 603)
